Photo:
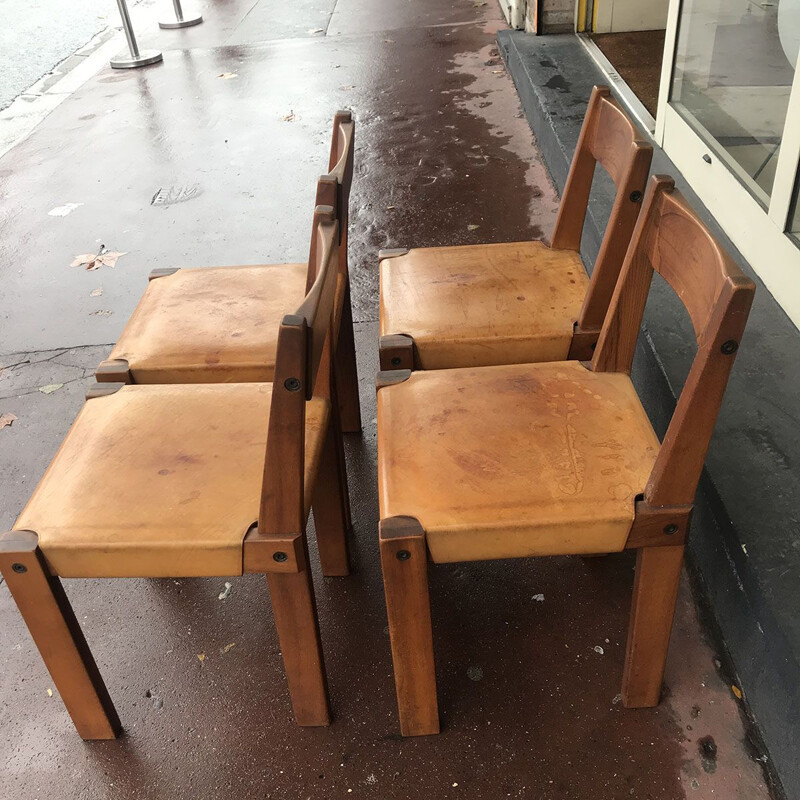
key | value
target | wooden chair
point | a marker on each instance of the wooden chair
(173, 481)
(219, 325)
(520, 302)
(558, 458)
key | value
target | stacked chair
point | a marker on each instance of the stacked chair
(208, 463)
(508, 427)
(479, 305)
(558, 457)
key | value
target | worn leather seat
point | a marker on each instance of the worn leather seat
(514, 461)
(161, 481)
(211, 325)
(481, 305)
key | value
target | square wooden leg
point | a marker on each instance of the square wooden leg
(347, 370)
(405, 578)
(655, 590)
(295, 611)
(331, 504)
(55, 630)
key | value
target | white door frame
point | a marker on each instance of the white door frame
(758, 233)
(514, 12)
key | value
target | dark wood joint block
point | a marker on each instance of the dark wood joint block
(659, 526)
(397, 533)
(396, 352)
(16, 542)
(113, 370)
(164, 272)
(102, 390)
(391, 377)
(400, 527)
(392, 253)
(583, 344)
(273, 553)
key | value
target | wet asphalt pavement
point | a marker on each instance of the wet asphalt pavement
(235, 124)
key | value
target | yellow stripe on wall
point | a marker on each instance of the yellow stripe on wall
(581, 15)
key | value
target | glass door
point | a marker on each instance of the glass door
(732, 79)
(729, 117)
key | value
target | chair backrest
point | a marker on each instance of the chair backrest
(340, 171)
(609, 138)
(672, 240)
(299, 358)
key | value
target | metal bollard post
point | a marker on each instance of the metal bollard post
(136, 58)
(180, 21)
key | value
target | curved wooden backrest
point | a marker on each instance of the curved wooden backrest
(609, 138)
(299, 357)
(318, 307)
(333, 189)
(340, 167)
(671, 239)
(327, 197)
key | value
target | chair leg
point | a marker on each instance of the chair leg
(51, 621)
(331, 504)
(295, 611)
(655, 590)
(347, 370)
(405, 579)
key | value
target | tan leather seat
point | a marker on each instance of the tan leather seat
(217, 325)
(481, 305)
(514, 461)
(160, 481)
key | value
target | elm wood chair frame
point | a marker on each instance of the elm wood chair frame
(276, 545)
(608, 137)
(670, 239)
(340, 169)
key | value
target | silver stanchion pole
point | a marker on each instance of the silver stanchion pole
(180, 21)
(136, 58)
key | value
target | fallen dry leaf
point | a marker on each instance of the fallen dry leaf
(50, 388)
(228, 647)
(92, 261)
(95, 293)
(103, 312)
(86, 259)
(737, 692)
(201, 657)
(6, 419)
(49, 692)
(290, 117)
(226, 76)
(473, 227)
(109, 258)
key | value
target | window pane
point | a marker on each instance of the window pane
(734, 68)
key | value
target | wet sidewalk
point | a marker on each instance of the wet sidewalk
(210, 159)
